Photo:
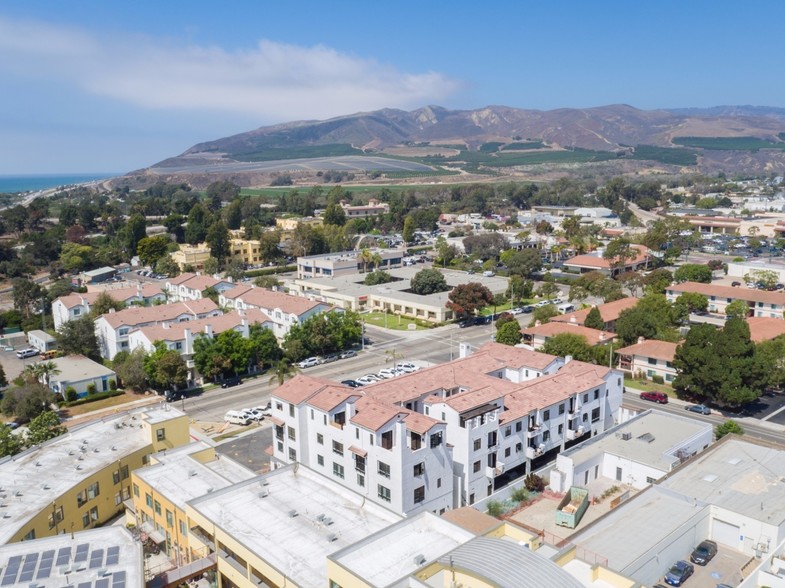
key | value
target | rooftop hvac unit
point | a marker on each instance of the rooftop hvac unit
(626, 436)
(327, 521)
(264, 494)
(292, 513)
(332, 537)
(320, 517)
(419, 559)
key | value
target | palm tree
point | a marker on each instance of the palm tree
(40, 372)
(365, 257)
(282, 370)
(377, 260)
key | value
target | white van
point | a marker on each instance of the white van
(235, 417)
(565, 308)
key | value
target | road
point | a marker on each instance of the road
(643, 215)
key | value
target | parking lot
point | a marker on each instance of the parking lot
(724, 568)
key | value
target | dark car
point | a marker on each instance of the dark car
(679, 573)
(658, 397)
(700, 409)
(528, 309)
(735, 284)
(704, 552)
(351, 383)
(464, 324)
(231, 382)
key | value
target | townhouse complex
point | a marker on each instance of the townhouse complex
(448, 435)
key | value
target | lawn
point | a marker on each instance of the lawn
(488, 310)
(398, 323)
(81, 409)
(648, 386)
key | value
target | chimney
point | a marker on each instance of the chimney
(573, 320)
(567, 359)
(602, 335)
(189, 342)
(165, 325)
(139, 289)
(641, 340)
(208, 330)
(537, 323)
(111, 311)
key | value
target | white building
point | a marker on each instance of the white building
(77, 305)
(113, 328)
(649, 357)
(282, 310)
(189, 286)
(79, 372)
(636, 453)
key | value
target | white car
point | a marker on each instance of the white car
(256, 414)
(408, 367)
(365, 380)
(310, 362)
(28, 352)
(386, 373)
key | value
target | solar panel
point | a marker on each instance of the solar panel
(11, 571)
(28, 569)
(112, 556)
(84, 585)
(81, 552)
(63, 556)
(118, 579)
(102, 583)
(96, 558)
(45, 567)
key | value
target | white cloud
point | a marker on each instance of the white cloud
(272, 81)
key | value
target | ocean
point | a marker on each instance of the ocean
(10, 184)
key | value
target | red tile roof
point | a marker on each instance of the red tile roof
(119, 294)
(219, 324)
(517, 357)
(269, 299)
(300, 388)
(194, 281)
(156, 314)
(419, 423)
(609, 312)
(597, 261)
(331, 397)
(765, 328)
(737, 293)
(373, 415)
(652, 348)
(593, 336)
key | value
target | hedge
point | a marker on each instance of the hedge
(94, 397)
(281, 269)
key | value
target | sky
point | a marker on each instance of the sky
(90, 86)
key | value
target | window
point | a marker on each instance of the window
(436, 439)
(596, 394)
(124, 473)
(476, 466)
(361, 480)
(292, 454)
(383, 469)
(94, 513)
(169, 518)
(518, 447)
(56, 517)
(561, 429)
(438, 482)
(93, 490)
(650, 480)
(160, 434)
(320, 460)
(492, 441)
(118, 498)
(518, 426)
(320, 438)
(387, 440)
(419, 495)
(149, 500)
(291, 410)
(279, 432)
(416, 441)
(586, 398)
(338, 470)
(546, 415)
(136, 491)
(278, 406)
(81, 498)
(86, 520)
(337, 448)
(477, 444)
(359, 463)
(419, 469)
(507, 452)
(290, 433)
(383, 493)
(652, 361)
(183, 529)
(507, 431)
(157, 507)
(561, 409)
(595, 415)
(546, 436)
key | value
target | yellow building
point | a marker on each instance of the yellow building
(191, 255)
(288, 225)
(160, 492)
(246, 251)
(79, 480)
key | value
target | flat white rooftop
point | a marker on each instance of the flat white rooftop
(99, 558)
(294, 518)
(30, 481)
(179, 477)
(77, 368)
(400, 550)
(653, 437)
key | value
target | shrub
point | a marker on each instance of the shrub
(495, 508)
(93, 398)
(728, 427)
(534, 483)
(70, 394)
(657, 379)
(519, 495)
(113, 385)
(91, 389)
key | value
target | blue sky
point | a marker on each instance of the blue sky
(97, 86)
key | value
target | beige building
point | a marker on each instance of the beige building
(761, 303)
(649, 357)
(191, 256)
(537, 335)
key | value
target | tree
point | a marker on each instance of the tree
(509, 333)
(264, 346)
(130, 369)
(522, 263)
(234, 215)
(235, 270)
(27, 402)
(334, 215)
(151, 249)
(772, 352)
(174, 226)
(693, 272)
(544, 314)
(10, 444)
(428, 281)
(468, 299)
(269, 282)
(135, 231)
(75, 257)
(572, 344)
(486, 245)
(196, 228)
(27, 296)
(104, 303)
(77, 337)
(377, 277)
(504, 318)
(595, 284)
(167, 267)
(519, 288)
(652, 318)
(268, 245)
(217, 238)
(547, 289)
(765, 279)
(657, 281)
(728, 427)
(282, 371)
(633, 281)
(165, 368)
(44, 427)
(408, 229)
(737, 309)
(619, 251)
(222, 191)
(594, 319)
(212, 266)
(689, 302)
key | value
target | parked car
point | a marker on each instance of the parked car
(704, 552)
(516, 310)
(348, 353)
(699, 408)
(659, 397)
(351, 383)
(228, 383)
(464, 323)
(365, 380)
(27, 352)
(735, 284)
(679, 573)
(528, 309)
(387, 373)
(256, 414)
(310, 362)
(408, 367)
(330, 358)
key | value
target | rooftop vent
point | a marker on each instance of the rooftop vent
(84, 441)
(80, 458)
(292, 513)
(45, 487)
(70, 452)
(114, 448)
(647, 437)
(332, 537)
(18, 493)
(626, 436)
(192, 473)
(320, 517)
(38, 464)
(734, 461)
(96, 450)
(264, 494)
(709, 478)
(78, 467)
(419, 559)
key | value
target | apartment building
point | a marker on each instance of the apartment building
(329, 265)
(190, 286)
(538, 335)
(77, 305)
(282, 310)
(761, 303)
(393, 456)
(79, 480)
(596, 262)
(609, 312)
(649, 357)
(113, 328)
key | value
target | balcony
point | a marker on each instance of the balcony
(533, 432)
(493, 472)
(336, 424)
(532, 452)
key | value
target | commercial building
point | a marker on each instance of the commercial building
(281, 310)
(41, 340)
(77, 305)
(740, 270)
(347, 263)
(595, 262)
(287, 225)
(188, 286)
(636, 453)
(102, 274)
(191, 257)
(113, 328)
(649, 357)
(79, 480)
(761, 303)
(80, 373)
(96, 558)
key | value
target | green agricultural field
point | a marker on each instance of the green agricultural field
(304, 152)
(524, 146)
(399, 175)
(728, 143)
(667, 155)
(491, 147)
